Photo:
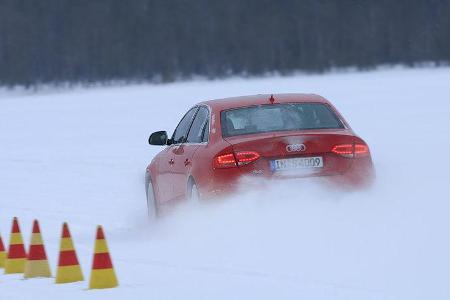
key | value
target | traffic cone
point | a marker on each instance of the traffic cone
(69, 269)
(15, 260)
(102, 274)
(2, 253)
(37, 263)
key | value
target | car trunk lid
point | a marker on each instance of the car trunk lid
(299, 148)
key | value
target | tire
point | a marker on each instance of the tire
(151, 202)
(193, 195)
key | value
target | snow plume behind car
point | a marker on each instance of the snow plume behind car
(78, 157)
(312, 239)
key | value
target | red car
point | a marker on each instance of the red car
(218, 142)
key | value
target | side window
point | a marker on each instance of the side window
(180, 133)
(198, 128)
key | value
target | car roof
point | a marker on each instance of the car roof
(260, 99)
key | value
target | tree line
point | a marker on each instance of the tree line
(89, 41)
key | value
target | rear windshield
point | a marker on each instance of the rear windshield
(278, 117)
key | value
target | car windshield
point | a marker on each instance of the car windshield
(278, 117)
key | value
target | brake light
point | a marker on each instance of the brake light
(231, 160)
(343, 150)
(361, 150)
(351, 150)
(246, 157)
(225, 161)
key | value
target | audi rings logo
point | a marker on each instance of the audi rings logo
(296, 148)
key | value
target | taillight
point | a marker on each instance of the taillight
(361, 150)
(351, 150)
(225, 161)
(343, 150)
(231, 160)
(246, 157)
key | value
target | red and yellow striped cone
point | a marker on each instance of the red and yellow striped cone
(102, 274)
(69, 269)
(37, 263)
(2, 253)
(15, 259)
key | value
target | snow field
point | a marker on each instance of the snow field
(79, 156)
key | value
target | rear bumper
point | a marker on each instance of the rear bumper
(360, 175)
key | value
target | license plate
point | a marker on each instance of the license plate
(296, 163)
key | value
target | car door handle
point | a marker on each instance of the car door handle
(171, 161)
(187, 162)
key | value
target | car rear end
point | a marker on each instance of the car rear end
(292, 140)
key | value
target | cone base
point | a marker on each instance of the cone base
(67, 274)
(2, 259)
(103, 279)
(37, 268)
(14, 265)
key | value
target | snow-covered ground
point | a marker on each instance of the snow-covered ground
(79, 156)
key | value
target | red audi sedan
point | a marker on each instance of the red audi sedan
(219, 142)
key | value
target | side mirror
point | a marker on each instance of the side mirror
(158, 138)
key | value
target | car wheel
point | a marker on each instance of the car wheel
(151, 201)
(193, 195)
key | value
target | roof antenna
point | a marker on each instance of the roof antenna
(271, 99)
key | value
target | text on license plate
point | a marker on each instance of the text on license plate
(296, 163)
